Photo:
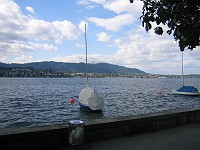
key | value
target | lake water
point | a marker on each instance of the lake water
(26, 102)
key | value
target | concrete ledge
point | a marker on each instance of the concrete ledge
(56, 136)
(48, 137)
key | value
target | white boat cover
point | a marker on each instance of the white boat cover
(89, 97)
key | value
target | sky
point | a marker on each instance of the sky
(53, 30)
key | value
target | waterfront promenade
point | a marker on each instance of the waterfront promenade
(185, 137)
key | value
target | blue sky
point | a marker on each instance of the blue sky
(53, 30)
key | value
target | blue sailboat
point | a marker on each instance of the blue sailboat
(186, 90)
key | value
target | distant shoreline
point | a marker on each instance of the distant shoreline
(49, 73)
(101, 76)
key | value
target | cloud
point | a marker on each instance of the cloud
(82, 26)
(127, 14)
(152, 53)
(103, 37)
(117, 6)
(124, 6)
(18, 30)
(41, 30)
(19, 48)
(146, 51)
(75, 58)
(30, 9)
(83, 2)
(45, 46)
(23, 59)
(113, 24)
(66, 29)
(80, 45)
(14, 48)
(3, 58)
(55, 31)
(131, 45)
(89, 2)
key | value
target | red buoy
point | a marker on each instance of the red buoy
(71, 100)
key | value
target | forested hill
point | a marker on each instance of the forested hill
(76, 67)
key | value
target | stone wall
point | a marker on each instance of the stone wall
(56, 136)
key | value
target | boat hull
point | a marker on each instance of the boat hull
(87, 108)
(185, 93)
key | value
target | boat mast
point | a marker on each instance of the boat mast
(182, 70)
(86, 55)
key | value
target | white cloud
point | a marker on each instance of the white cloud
(44, 46)
(82, 26)
(153, 53)
(89, 2)
(41, 30)
(3, 58)
(30, 9)
(124, 6)
(117, 6)
(23, 59)
(75, 58)
(7, 49)
(83, 2)
(17, 30)
(113, 24)
(103, 37)
(49, 47)
(80, 45)
(20, 34)
(56, 31)
(66, 29)
(163, 67)
(146, 51)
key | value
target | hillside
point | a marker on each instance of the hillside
(76, 67)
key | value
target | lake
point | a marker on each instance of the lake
(28, 102)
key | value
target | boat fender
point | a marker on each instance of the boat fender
(71, 101)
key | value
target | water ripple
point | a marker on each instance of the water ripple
(27, 102)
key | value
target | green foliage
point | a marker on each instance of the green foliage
(181, 16)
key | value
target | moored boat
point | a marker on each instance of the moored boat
(187, 90)
(89, 99)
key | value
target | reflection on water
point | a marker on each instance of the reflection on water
(44, 101)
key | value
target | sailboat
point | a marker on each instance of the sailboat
(186, 90)
(89, 99)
